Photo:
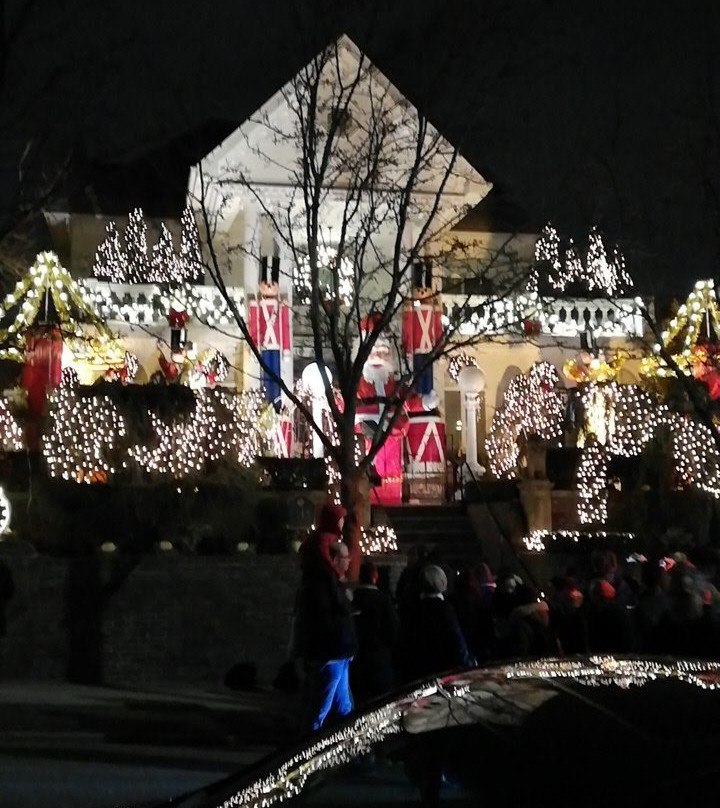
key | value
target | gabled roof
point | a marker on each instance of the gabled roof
(271, 161)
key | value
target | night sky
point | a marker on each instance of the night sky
(583, 113)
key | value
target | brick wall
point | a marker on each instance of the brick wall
(171, 619)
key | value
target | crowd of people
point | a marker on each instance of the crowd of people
(357, 646)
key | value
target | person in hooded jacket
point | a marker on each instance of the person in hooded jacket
(324, 632)
(372, 671)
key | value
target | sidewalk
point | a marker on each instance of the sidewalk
(230, 730)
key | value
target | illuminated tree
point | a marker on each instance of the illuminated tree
(136, 247)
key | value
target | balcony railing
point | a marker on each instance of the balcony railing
(150, 303)
(558, 317)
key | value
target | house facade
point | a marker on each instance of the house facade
(251, 206)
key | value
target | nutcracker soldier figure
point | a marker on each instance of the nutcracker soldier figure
(422, 326)
(269, 324)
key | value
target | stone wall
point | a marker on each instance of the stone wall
(169, 619)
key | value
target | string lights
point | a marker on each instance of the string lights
(378, 539)
(458, 361)
(47, 283)
(12, 438)
(536, 540)
(597, 273)
(150, 303)
(83, 437)
(132, 264)
(335, 277)
(698, 314)
(87, 438)
(531, 407)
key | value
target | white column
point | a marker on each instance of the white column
(471, 381)
(312, 377)
(472, 401)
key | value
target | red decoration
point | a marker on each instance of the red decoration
(177, 319)
(42, 371)
(531, 327)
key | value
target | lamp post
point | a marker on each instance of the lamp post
(471, 381)
(313, 377)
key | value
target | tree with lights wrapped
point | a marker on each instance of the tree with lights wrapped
(377, 183)
(136, 247)
(131, 263)
(110, 259)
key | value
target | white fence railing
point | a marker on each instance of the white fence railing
(149, 303)
(557, 317)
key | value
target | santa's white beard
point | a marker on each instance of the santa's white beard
(376, 374)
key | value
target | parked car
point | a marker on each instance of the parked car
(600, 730)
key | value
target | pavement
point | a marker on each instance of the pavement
(228, 728)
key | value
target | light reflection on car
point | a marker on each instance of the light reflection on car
(505, 733)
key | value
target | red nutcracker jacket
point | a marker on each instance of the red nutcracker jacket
(422, 327)
(269, 324)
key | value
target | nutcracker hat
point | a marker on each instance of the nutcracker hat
(275, 271)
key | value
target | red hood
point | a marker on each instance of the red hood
(329, 519)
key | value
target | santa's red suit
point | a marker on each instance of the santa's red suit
(375, 393)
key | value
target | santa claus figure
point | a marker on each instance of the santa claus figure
(269, 323)
(422, 326)
(383, 404)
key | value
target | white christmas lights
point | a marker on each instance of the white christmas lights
(83, 436)
(531, 407)
(335, 278)
(597, 273)
(12, 438)
(80, 323)
(536, 540)
(378, 539)
(132, 264)
(459, 361)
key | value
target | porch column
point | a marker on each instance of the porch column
(471, 381)
(313, 379)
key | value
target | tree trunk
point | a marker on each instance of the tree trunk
(353, 500)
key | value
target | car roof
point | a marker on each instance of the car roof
(608, 697)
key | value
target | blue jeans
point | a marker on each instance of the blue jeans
(327, 687)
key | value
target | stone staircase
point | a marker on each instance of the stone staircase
(462, 542)
(444, 526)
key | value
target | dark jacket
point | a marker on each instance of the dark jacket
(376, 628)
(323, 618)
(431, 640)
